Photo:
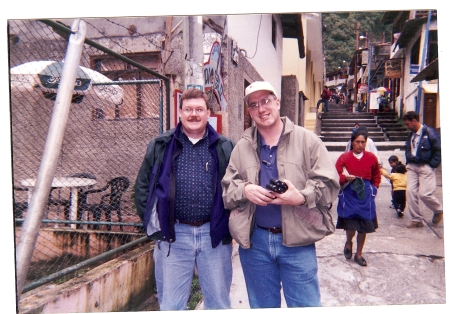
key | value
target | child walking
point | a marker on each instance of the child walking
(393, 161)
(398, 180)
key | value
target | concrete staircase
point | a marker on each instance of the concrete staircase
(336, 128)
(394, 130)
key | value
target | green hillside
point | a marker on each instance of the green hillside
(339, 34)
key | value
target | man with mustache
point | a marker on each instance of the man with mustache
(180, 181)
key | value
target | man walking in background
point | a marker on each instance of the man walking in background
(325, 99)
(423, 156)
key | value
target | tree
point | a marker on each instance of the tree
(339, 34)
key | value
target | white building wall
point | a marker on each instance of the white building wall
(411, 89)
(309, 70)
(253, 33)
(292, 64)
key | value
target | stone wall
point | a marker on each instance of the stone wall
(290, 98)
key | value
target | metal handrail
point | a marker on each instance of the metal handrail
(85, 263)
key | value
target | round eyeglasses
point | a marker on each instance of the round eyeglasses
(198, 111)
(255, 104)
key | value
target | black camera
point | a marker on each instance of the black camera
(277, 186)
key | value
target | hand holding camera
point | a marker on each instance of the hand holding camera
(277, 186)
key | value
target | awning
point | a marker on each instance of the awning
(410, 29)
(430, 72)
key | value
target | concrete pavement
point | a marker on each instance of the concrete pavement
(405, 266)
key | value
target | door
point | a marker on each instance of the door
(429, 110)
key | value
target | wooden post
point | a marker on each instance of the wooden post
(355, 76)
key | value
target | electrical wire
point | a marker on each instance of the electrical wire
(257, 38)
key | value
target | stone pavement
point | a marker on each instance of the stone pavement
(405, 266)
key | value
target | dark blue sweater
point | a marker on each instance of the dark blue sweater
(157, 180)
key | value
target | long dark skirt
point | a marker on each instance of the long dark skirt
(356, 214)
(356, 224)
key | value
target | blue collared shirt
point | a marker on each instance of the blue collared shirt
(268, 216)
(193, 174)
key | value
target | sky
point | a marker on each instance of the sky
(27, 9)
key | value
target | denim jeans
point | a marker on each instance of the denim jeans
(174, 269)
(326, 102)
(268, 264)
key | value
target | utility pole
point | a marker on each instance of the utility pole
(193, 47)
(355, 76)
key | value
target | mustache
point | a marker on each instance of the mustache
(194, 119)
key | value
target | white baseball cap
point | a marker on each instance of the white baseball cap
(257, 86)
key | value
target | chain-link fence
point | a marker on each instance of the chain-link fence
(118, 105)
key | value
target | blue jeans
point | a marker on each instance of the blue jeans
(326, 102)
(174, 269)
(269, 264)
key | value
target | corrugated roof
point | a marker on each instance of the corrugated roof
(410, 29)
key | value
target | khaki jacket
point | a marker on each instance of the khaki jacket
(303, 159)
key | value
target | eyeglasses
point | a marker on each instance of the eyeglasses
(198, 111)
(256, 104)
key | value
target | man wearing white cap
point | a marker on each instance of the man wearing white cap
(276, 231)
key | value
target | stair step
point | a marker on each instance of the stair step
(347, 129)
(347, 138)
(349, 134)
(337, 126)
(381, 146)
(349, 120)
(348, 125)
(348, 115)
(396, 131)
(393, 125)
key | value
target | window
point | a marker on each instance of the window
(140, 100)
(432, 46)
(415, 52)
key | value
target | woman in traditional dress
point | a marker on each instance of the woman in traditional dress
(360, 177)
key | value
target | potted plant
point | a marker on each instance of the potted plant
(384, 102)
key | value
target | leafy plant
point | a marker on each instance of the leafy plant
(196, 294)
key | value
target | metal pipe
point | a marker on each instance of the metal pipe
(52, 148)
(128, 82)
(85, 222)
(168, 106)
(161, 110)
(85, 263)
(92, 43)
